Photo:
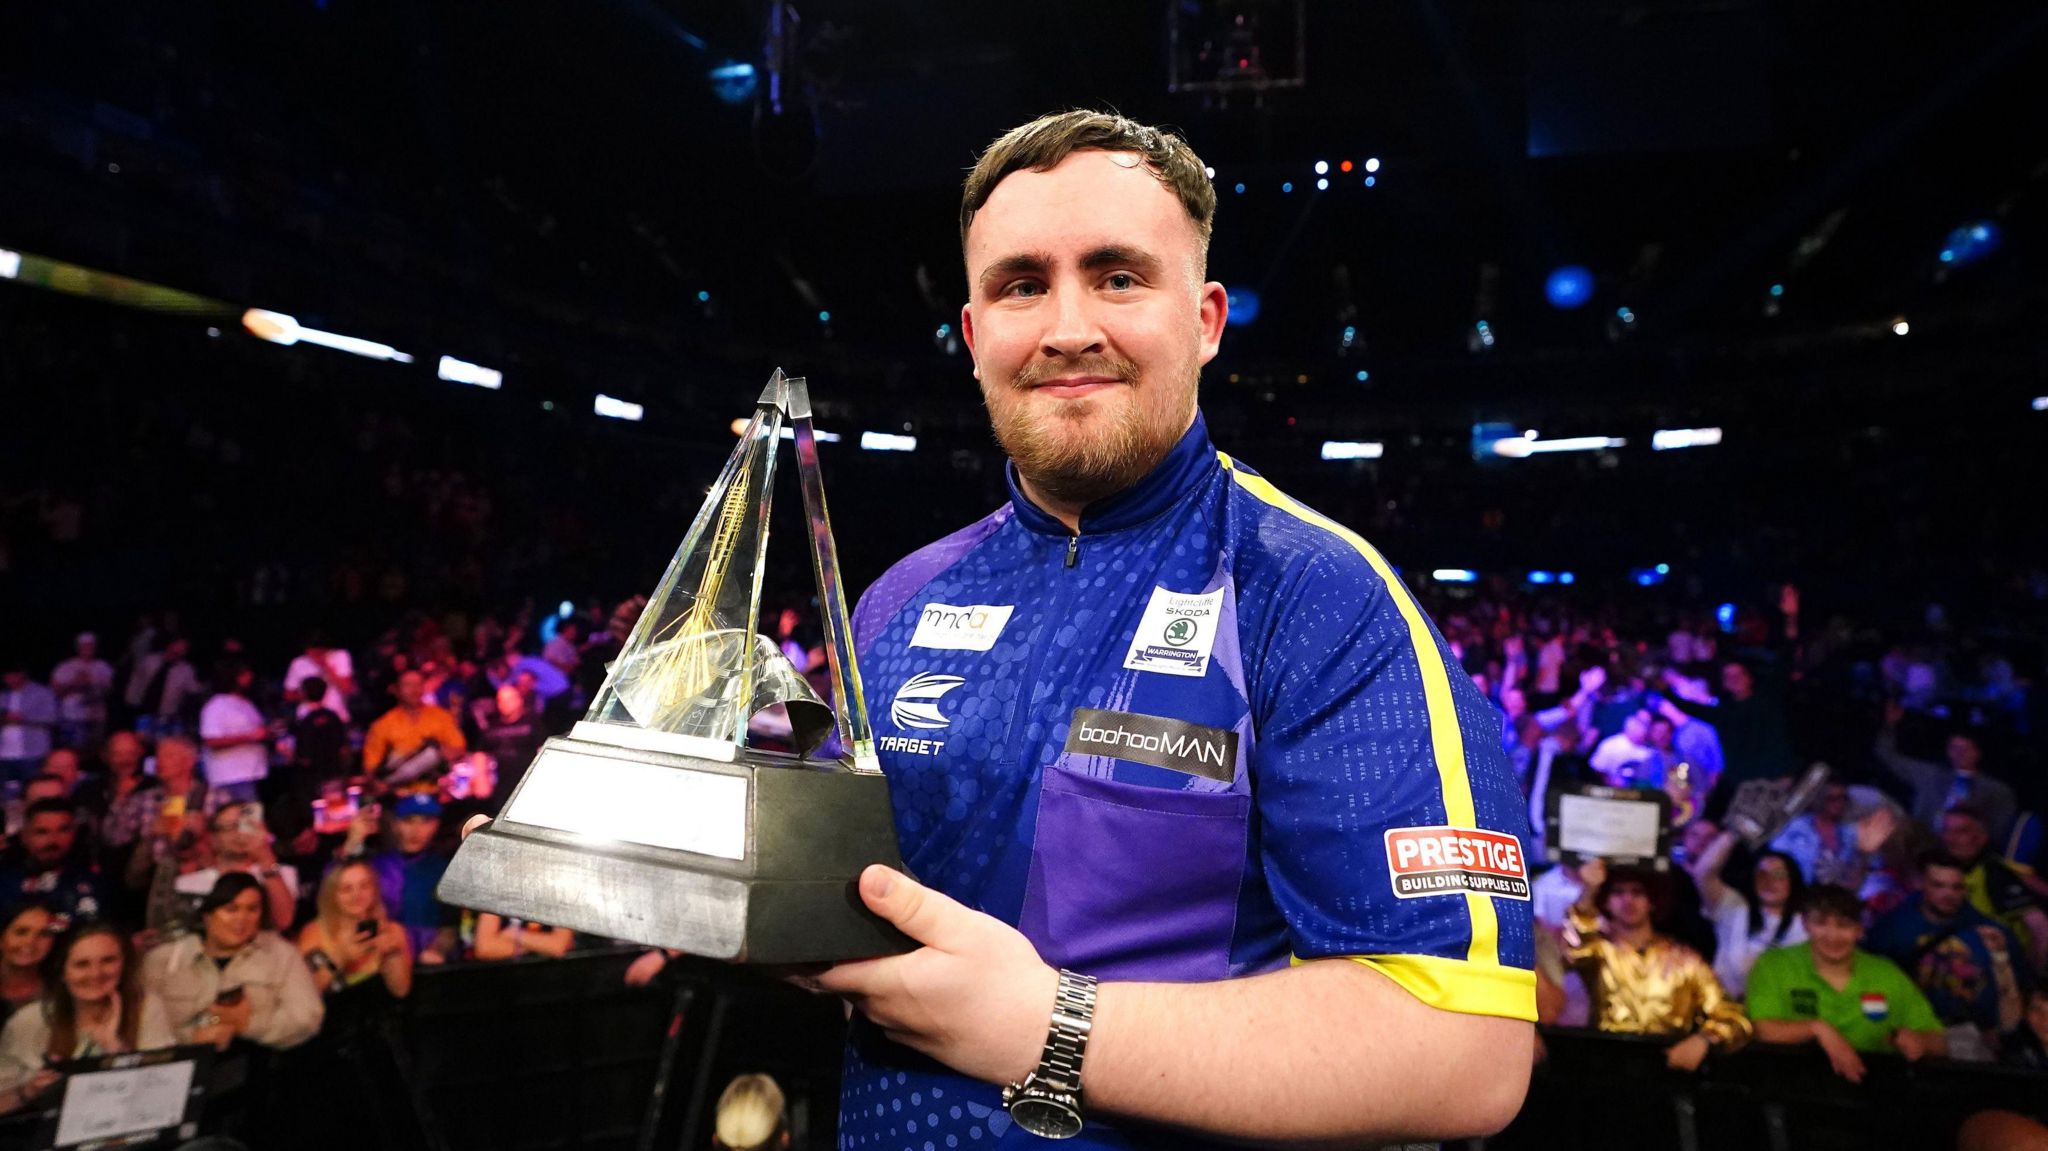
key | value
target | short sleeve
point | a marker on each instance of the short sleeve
(1768, 992)
(1392, 830)
(214, 720)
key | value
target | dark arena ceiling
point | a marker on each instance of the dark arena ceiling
(655, 192)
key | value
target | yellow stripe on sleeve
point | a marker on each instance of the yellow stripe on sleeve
(1456, 985)
(1447, 740)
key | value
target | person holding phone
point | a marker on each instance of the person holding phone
(235, 979)
(241, 841)
(353, 940)
(97, 1005)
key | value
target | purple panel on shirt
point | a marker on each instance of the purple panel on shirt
(903, 581)
(1134, 882)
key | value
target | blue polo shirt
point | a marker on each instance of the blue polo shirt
(1210, 734)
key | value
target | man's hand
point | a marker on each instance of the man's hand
(1912, 1045)
(1687, 1054)
(1842, 1057)
(1592, 679)
(1874, 829)
(1592, 873)
(976, 996)
(644, 969)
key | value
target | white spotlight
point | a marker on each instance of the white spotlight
(1353, 449)
(887, 442)
(1671, 439)
(617, 409)
(463, 372)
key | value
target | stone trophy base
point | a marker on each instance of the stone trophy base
(667, 843)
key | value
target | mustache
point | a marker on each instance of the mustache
(1037, 372)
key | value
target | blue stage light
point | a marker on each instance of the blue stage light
(1725, 617)
(1287, 187)
(1540, 577)
(1569, 287)
(1244, 306)
(1240, 189)
(734, 83)
(1970, 243)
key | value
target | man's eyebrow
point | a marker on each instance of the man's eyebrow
(1020, 264)
(1119, 256)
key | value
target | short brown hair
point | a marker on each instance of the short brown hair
(1040, 145)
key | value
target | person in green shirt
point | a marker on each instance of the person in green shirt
(1827, 991)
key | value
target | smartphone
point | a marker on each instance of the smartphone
(228, 997)
(366, 927)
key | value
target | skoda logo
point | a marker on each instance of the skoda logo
(1181, 632)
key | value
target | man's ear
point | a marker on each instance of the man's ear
(967, 335)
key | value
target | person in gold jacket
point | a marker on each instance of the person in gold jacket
(1643, 983)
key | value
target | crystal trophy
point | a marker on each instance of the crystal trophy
(653, 821)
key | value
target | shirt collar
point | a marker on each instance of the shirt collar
(1185, 466)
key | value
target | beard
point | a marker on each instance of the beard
(1083, 450)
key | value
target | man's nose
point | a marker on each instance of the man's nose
(1076, 326)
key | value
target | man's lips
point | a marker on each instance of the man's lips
(1071, 387)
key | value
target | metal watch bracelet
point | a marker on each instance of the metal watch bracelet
(1073, 1014)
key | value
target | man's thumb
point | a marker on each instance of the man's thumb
(915, 909)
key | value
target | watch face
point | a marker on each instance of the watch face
(1046, 1118)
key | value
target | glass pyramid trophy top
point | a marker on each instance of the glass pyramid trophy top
(696, 669)
(652, 820)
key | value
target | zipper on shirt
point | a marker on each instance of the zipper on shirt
(1073, 550)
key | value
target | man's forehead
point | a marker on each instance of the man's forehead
(1088, 200)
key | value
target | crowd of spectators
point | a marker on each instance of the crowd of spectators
(1899, 912)
(322, 629)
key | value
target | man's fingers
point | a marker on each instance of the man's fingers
(472, 823)
(917, 911)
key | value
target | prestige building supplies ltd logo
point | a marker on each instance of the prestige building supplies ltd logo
(1449, 860)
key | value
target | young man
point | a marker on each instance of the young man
(1830, 992)
(408, 871)
(1969, 965)
(1191, 739)
(1641, 982)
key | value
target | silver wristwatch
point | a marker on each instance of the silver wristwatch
(1047, 1102)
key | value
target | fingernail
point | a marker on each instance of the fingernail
(880, 879)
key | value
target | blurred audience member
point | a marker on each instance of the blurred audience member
(236, 736)
(24, 945)
(1643, 983)
(1830, 992)
(95, 1004)
(1969, 965)
(353, 939)
(28, 719)
(83, 684)
(234, 979)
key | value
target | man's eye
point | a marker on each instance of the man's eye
(1024, 288)
(1122, 281)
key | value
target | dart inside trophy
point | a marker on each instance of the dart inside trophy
(652, 821)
